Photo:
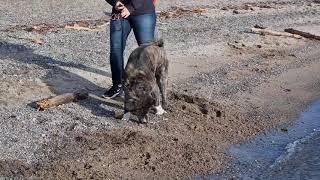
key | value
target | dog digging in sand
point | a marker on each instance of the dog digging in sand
(145, 81)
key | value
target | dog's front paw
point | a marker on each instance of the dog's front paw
(160, 110)
(143, 121)
(126, 117)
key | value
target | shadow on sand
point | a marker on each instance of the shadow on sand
(61, 80)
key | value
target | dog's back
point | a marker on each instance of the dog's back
(147, 58)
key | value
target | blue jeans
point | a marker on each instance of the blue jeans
(143, 27)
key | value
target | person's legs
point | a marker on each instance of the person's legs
(119, 31)
(143, 27)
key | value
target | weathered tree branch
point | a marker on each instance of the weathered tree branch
(274, 33)
(303, 34)
(61, 99)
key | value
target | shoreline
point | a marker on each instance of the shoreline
(278, 151)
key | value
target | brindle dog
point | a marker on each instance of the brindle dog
(145, 78)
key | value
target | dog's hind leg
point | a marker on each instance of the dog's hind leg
(157, 106)
(162, 81)
(162, 84)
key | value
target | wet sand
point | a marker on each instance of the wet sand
(290, 151)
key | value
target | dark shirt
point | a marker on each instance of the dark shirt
(135, 7)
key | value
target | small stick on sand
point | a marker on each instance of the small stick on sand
(274, 33)
(303, 34)
(80, 28)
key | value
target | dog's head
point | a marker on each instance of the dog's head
(140, 95)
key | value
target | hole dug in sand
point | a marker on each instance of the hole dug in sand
(190, 142)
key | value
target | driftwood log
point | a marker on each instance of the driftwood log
(275, 33)
(303, 34)
(61, 99)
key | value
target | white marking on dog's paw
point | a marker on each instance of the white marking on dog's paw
(160, 110)
(143, 120)
(126, 117)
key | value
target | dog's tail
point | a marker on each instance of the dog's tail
(159, 43)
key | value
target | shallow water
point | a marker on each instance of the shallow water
(285, 153)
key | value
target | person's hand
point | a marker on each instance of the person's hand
(119, 6)
(125, 12)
